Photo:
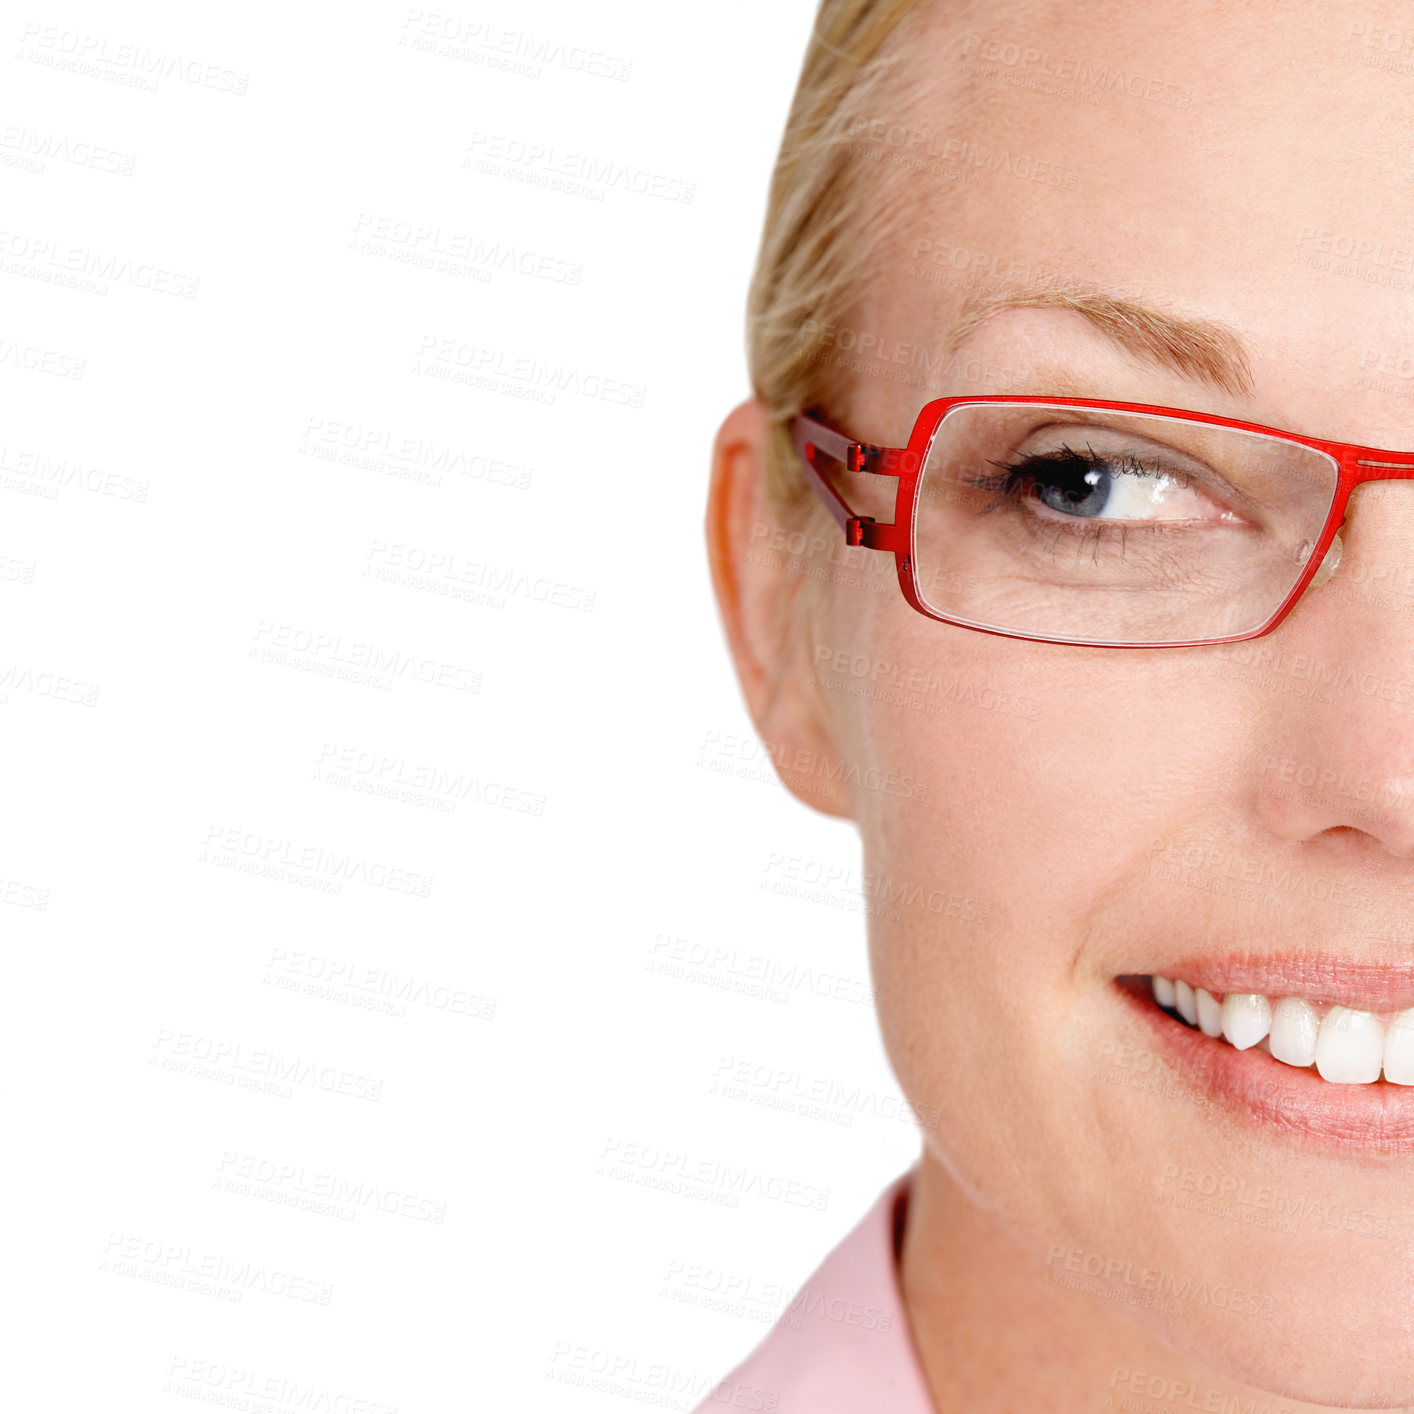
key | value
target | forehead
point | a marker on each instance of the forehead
(1252, 165)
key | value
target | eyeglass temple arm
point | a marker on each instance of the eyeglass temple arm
(811, 438)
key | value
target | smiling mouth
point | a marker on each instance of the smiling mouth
(1337, 1071)
(1343, 1045)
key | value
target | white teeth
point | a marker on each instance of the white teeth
(1350, 1047)
(1294, 1027)
(1399, 1049)
(1186, 1003)
(1210, 1013)
(1346, 1046)
(1247, 1017)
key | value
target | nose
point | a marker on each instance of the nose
(1338, 757)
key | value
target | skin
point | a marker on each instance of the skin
(1006, 1032)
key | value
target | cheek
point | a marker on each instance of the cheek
(1040, 789)
(1042, 780)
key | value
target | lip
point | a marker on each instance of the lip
(1364, 986)
(1372, 1120)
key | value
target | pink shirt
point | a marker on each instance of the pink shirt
(843, 1345)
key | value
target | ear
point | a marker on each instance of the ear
(769, 607)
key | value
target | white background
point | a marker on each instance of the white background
(390, 878)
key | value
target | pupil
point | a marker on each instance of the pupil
(1074, 486)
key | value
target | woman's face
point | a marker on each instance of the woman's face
(1041, 820)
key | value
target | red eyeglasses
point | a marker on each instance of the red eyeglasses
(1106, 524)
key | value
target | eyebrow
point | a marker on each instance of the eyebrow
(1201, 349)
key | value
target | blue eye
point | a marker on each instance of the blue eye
(1068, 482)
(1083, 484)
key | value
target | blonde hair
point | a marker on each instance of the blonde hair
(832, 228)
(825, 224)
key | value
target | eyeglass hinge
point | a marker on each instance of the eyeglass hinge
(880, 461)
(862, 457)
(866, 531)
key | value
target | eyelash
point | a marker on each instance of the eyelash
(1012, 481)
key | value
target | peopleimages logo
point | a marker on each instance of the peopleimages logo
(49, 257)
(1030, 67)
(629, 1156)
(216, 1382)
(542, 164)
(1262, 657)
(819, 1305)
(1154, 1281)
(101, 56)
(752, 974)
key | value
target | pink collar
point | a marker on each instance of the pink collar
(843, 1345)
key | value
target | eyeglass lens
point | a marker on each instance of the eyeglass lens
(1113, 527)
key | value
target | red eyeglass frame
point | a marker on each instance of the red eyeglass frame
(1355, 465)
